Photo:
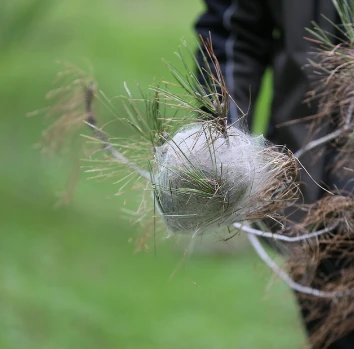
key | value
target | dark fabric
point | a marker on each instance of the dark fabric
(270, 33)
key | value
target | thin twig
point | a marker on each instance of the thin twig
(101, 136)
(349, 116)
(286, 278)
(325, 139)
(317, 142)
(274, 236)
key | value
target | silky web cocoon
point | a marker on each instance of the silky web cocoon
(205, 180)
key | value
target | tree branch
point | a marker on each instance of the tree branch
(101, 136)
(317, 142)
(286, 278)
(274, 236)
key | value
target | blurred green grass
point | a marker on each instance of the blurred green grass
(68, 276)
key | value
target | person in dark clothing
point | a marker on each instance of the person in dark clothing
(250, 35)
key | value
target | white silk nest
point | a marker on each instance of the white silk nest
(205, 180)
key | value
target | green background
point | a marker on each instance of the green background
(69, 276)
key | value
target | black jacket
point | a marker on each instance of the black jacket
(251, 35)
